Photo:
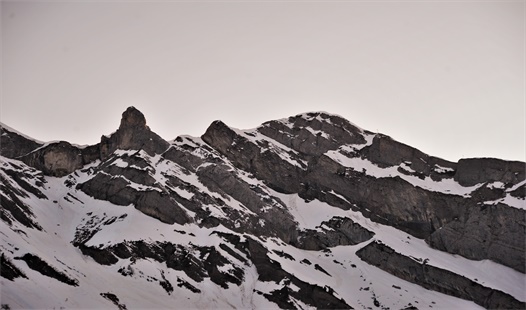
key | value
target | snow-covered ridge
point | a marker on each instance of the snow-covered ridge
(4, 126)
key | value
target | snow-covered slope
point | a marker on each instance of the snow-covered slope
(278, 216)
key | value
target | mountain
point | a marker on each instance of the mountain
(310, 211)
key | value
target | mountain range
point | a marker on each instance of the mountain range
(309, 211)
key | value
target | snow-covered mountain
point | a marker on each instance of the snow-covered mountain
(305, 212)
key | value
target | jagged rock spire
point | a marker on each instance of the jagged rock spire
(133, 134)
(132, 118)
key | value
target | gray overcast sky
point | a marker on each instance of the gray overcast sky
(446, 77)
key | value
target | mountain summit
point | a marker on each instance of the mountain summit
(132, 134)
(133, 118)
(310, 211)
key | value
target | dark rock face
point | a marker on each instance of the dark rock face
(101, 256)
(151, 202)
(308, 135)
(56, 159)
(390, 201)
(8, 270)
(337, 231)
(133, 134)
(14, 180)
(472, 171)
(496, 232)
(255, 158)
(60, 158)
(36, 263)
(114, 299)
(199, 263)
(14, 145)
(104, 187)
(14, 209)
(434, 278)
(278, 222)
(386, 152)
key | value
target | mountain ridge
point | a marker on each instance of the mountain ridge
(310, 182)
(132, 110)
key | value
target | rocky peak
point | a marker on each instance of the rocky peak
(133, 134)
(133, 118)
(220, 135)
(314, 133)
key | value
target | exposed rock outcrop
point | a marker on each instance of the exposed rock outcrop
(55, 159)
(36, 263)
(114, 299)
(152, 202)
(384, 151)
(390, 201)
(336, 231)
(277, 221)
(495, 232)
(14, 144)
(434, 278)
(9, 270)
(271, 271)
(133, 134)
(258, 159)
(471, 171)
(14, 186)
(313, 134)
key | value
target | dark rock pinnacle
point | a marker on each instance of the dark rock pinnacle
(133, 134)
(133, 118)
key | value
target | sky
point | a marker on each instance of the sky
(446, 77)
